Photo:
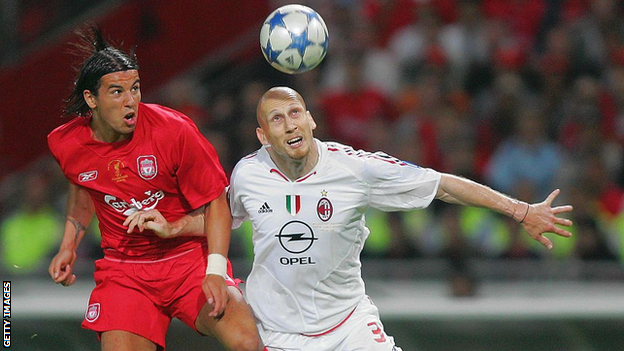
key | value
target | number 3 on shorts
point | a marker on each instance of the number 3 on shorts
(377, 331)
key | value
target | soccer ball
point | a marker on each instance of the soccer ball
(294, 39)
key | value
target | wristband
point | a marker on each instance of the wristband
(525, 214)
(515, 214)
(217, 265)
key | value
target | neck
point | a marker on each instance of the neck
(295, 168)
(102, 132)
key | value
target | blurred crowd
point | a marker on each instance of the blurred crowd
(525, 96)
(24, 23)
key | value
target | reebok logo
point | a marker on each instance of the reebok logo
(87, 176)
(265, 208)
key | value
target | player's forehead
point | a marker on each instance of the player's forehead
(119, 78)
(278, 99)
(275, 105)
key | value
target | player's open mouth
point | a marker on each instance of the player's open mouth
(130, 119)
(295, 141)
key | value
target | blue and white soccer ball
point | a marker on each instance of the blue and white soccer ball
(294, 39)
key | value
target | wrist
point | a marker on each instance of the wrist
(521, 211)
(217, 265)
(68, 247)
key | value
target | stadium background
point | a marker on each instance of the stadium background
(523, 95)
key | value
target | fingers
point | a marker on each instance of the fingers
(132, 221)
(563, 221)
(562, 209)
(61, 275)
(53, 270)
(216, 294)
(69, 281)
(219, 300)
(549, 200)
(544, 241)
(138, 220)
(562, 232)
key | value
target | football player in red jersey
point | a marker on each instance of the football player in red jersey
(123, 157)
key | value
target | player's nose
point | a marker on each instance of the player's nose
(289, 124)
(130, 99)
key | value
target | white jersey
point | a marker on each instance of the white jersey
(308, 233)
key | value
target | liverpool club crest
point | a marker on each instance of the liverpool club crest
(147, 166)
(93, 312)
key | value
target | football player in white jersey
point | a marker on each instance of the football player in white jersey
(306, 200)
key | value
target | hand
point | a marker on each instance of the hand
(62, 266)
(542, 218)
(216, 293)
(151, 220)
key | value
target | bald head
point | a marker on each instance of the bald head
(277, 93)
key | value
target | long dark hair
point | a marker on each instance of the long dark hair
(101, 58)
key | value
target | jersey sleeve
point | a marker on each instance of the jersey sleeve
(398, 185)
(60, 149)
(201, 177)
(239, 214)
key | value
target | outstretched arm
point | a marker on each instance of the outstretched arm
(537, 219)
(80, 211)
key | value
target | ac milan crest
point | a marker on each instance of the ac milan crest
(324, 209)
(93, 312)
(147, 166)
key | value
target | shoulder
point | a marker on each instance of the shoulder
(68, 128)
(345, 154)
(68, 131)
(246, 166)
(363, 165)
(342, 158)
(165, 117)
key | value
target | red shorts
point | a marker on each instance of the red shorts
(142, 296)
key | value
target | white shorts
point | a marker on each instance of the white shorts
(361, 331)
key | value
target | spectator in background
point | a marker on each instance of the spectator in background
(465, 42)
(592, 244)
(526, 156)
(247, 99)
(28, 236)
(523, 17)
(412, 43)
(554, 71)
(597, 34)
(351, 111)
(457, 251)
(497, 109)
(378, 66)
(187, 96)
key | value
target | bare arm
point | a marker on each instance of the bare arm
(191, 224)
(80, 211)
(536, 219)
(218, 225)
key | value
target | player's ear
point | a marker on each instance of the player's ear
(89, 98)
(261, 137)
(312, 122)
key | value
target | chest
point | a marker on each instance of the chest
(142, 172)
(318, 205)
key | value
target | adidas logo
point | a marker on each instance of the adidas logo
(265, 208)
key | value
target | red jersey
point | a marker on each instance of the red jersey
(166, 165)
